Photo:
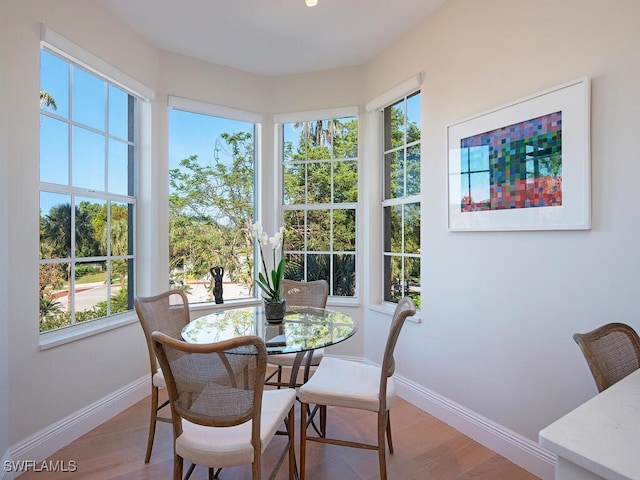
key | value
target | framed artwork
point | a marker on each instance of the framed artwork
(523, 166)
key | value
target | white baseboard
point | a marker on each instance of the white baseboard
(47, 441)
(514, 447)
(5, 474)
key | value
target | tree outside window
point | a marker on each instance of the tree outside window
(211, 204)
(320, 195)
(401, 200)
(87, 195)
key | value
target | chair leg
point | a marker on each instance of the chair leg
(323, 420)
(279, 377)
(177, 467)
(292, 446)
(382, 428)
(389, 440)
(256, 468)
(152, 422)
(303, 438)
(190, 471)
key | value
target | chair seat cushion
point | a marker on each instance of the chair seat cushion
(227, 446)
(287, 359)
(343, 383)
(158, 380)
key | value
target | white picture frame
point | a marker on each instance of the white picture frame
(526, 163)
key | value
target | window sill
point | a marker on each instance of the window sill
(389, 308)
(66, 335)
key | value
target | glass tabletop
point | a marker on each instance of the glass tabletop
(303, 328)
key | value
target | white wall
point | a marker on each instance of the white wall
(4, 280)
(500, 308)
(496, 333)
(46, 386)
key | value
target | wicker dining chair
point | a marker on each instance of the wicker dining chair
(167, 312)
(302, 294)
(222, 416)
(612, 352)
(348, 384)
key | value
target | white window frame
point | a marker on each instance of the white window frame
(213, 110)
(74, 54)
(375, 108)
(309, 116)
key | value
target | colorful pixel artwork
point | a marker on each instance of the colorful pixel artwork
(518, 166)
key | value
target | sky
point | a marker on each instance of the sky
(84, 98)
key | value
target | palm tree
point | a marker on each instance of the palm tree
(46, 100)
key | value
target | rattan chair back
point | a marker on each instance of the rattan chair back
(167, 312)
(612, 352)
(307, 294)
(215, 384)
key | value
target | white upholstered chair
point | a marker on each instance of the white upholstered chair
(167, 312)
(343, 383)
(222, 416)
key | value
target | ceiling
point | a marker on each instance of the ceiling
(273, 37)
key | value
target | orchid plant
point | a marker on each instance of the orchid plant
(270, 282)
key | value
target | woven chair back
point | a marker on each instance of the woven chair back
(217, 384)
(612, 352)
(307, 294)
(167, 312)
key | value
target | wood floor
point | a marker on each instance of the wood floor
(425, 449)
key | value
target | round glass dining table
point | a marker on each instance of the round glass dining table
(302, 330)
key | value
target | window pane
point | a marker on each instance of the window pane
(54, 294)
(211, 204)
(294, 266)
(88, 99)
(91, 227)
(345, 138)
(118, 113)
(412, 279)
(54, 83)
(54, 151)
(413, 170)
(344, 230)
(319, 182)
(121, 242)
(344, 275)
(414, 124)
(394, 174)
(55, 225)
(394, 118)
(318, 267)
(294, 183)
(412, 228)
(393, 229)
(294, 232)
(120, 300)
(88, 159)
(293, 147)
(392, 278)
(91, 291)
(119, 171)
(318, 145)
(345, 180)
(318, 230)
